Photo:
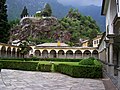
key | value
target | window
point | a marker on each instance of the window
(94, 42)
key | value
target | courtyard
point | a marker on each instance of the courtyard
(27, 80)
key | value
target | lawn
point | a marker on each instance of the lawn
(55, 62)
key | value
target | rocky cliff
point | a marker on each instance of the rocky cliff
(38, 30)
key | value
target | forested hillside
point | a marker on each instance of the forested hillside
(15, 8)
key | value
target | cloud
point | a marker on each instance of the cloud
(81, 2)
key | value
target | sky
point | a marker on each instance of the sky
(81, 2)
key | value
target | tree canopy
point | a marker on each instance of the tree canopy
(79, 26)
(24, 12)
(4, 26)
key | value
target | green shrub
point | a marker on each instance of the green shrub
(42, 59)
(97, 63)
(87, 62)
(61, 60)
(82, 71)
(19, 65)
(44, 67)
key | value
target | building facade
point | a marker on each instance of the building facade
(49, 50)
(110, 44)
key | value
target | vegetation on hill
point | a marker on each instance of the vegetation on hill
(70, 29)
(79, 26)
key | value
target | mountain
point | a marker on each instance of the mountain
(15, 8)
(95, 13)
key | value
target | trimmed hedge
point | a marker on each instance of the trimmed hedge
(25, 65)
(44, 67)
(82, 71)
(61, 60)
(42, 59)
(87, 62)
(19, 65)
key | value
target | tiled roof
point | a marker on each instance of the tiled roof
(52, 45)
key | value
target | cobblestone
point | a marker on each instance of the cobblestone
(27, 80)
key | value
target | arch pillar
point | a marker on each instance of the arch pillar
(82, 53)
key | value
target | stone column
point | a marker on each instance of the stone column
(41, 55)
(65, 55)
(5, 54)
(118, 6)
(91, 55)
(73, 55)
(118, 85)
(82, 55)
(111, 65)
(57, 56)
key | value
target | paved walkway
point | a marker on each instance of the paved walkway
(27, 80)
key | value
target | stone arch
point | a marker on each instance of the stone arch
(13, 53)
(53, 54)
(37, 53)
(3, 51)
(61, 54)
(69, 54)
(9, 52)
(78, 54)
(95, 54)
(44, 54)
(87, 54)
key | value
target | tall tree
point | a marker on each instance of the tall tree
(4, 26)
(47, 10)
(25, 48)
(24, 12)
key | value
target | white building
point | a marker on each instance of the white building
(96, 40)
(110, 43)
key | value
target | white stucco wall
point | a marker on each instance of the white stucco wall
(110, 15)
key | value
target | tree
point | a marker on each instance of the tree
(24, 12)
(24, 48)
(47, 10)
(4, 26)
(13, 23)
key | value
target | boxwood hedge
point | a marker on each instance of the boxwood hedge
(42, 59)
(82, 71)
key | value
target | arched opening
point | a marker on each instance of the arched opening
(61, 54)
(95, 54)
(53, 54)
(3, 51)
(69, 54)
(44, 54)
(37, 53)
(13, 53)
(9, 52)
(78, 54)
(87, 54)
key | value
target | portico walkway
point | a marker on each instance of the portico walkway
(27, 80)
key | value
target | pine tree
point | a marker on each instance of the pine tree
(24, 12)
(4, 26)
(47, 10)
